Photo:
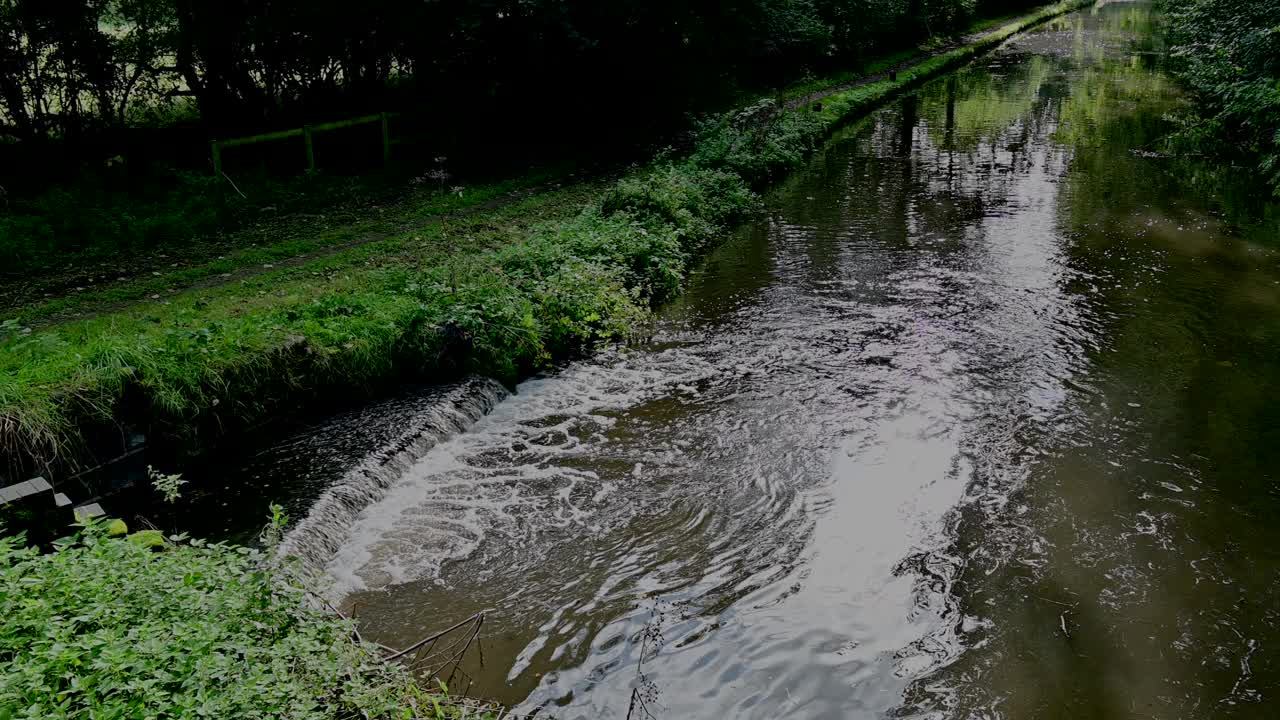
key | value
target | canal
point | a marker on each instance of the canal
(978, 421)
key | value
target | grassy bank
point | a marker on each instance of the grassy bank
(333, 214)
(503, 295)
(149, 627)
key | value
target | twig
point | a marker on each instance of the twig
(462, 655)
(355, 631)
(1063, 620)
(233, 185)
(437, 636)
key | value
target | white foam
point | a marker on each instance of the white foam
(315, 539)
(511, 473)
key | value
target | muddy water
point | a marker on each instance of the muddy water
(979, 421)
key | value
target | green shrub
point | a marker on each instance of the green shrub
(107, 627)
(759, 142)
(650, 255)
(697, 202)
(1228, 51)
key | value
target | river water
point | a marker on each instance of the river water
(979, 421)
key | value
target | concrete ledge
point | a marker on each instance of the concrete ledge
(23, 490)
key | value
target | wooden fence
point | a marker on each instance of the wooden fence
(306, 132)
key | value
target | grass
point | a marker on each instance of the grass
(502, 293)
(106, 213)
(260, 244)
(151, 627)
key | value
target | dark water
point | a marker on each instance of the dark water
(980, 422)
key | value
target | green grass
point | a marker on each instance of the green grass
(151, 627)
(819, 85)
(502, 293)
(280, 239)
(93, 220)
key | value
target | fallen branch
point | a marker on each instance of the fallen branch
(478, 617)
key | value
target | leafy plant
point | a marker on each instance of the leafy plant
(169, 486)
(108, 627)
(758, 142)
(1228, 51)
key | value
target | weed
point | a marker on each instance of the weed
(168, 627)
(169, 486)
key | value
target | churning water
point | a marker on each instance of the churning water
(978, 422)
(423, 421)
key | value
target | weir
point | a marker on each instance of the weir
(318, 535)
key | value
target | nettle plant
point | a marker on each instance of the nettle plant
(168, 485)
(111, 627)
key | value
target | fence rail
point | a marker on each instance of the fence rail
(306, 132)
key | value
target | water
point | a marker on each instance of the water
(977, 423)
(322, 474)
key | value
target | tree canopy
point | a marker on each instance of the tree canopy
(71, 66)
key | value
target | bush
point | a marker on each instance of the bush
(758, 143)
(697, 202)
(109, 627)
(1228, 51)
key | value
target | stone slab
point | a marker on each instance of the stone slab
(88, 511)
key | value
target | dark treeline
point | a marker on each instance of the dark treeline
(72, 69)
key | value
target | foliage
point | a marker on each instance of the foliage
(758, 142)
(168, 485)
(1228, 51)
(69, 66)
(135, 628)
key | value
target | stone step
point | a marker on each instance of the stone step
(23, 490)
(91, 510)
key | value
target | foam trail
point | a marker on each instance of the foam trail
(328, 523)
(512, 474)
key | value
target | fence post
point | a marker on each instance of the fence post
(215, 149)
(311, 152)
(386, 141)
